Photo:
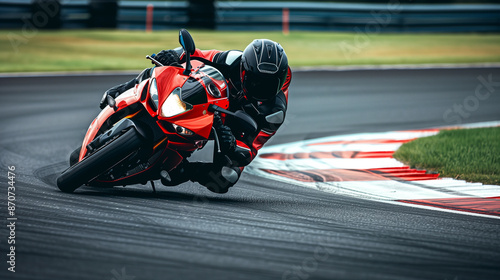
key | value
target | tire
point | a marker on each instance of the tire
(75, 155)
(103, 159)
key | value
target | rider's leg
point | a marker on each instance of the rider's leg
(214, 177)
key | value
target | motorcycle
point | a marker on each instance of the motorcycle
(148, 130)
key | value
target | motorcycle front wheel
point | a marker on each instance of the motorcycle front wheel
(102, 160)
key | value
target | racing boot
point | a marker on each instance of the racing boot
(215, 178)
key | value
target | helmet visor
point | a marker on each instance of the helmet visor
(261, 87)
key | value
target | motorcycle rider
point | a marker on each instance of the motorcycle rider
(258, 80)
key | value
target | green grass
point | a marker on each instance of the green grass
(468, 154)
(123, 50)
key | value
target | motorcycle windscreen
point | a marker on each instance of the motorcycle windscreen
(206, 78)
(193, 92)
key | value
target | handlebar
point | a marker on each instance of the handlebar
(156, 62)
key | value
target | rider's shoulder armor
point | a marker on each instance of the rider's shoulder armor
(228, 58)
(272, 113)
(228, 63)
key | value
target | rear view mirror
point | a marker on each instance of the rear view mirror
(186, 41)
(187, 44)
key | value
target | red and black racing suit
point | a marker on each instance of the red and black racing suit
(228, 63)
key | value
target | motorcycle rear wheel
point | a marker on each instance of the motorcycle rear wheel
(103, 159)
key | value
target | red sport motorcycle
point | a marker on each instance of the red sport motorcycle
(148, 130)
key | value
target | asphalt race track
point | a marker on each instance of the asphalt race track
(261, 229)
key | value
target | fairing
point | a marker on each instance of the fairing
(194, 92)
(198, 120)
(123, 102)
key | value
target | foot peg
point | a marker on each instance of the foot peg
(165, 179)
(165, 176)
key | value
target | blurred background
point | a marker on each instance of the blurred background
(395, 15)
(59, 35)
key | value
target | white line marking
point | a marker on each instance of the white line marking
(335, 163)
(381, 190)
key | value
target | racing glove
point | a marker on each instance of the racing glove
(121, 88)
(168, 58)
(115, 91)
(226, 137)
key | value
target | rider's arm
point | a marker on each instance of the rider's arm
(204, 56)
(246, 152)
(212, 57)
(228, 62)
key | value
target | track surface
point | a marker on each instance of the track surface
(261, 229)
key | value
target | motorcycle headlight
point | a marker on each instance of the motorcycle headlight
(182, 130)
(153, 93)
(174, 105)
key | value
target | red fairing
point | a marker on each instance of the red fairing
(122, 102)
(196, 119)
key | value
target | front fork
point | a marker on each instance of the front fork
(118, 129)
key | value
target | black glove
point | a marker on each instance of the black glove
(115, 91)
(168, 58)
(104, 100)
(226, 137)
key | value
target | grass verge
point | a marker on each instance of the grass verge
(467, 154)
(125, 50)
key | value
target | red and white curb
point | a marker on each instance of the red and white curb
(361, 165)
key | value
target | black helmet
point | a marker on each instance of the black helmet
(263, 69)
